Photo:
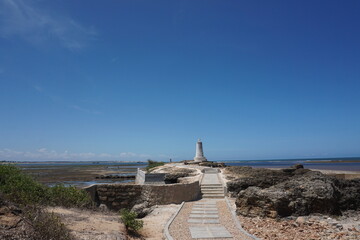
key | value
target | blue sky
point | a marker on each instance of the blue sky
(132, 80)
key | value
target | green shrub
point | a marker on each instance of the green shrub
(71, 196)
(23, 189)
(129, 219)
(19, 187)
(152, 164)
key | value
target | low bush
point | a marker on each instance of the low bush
(19, 187)
(152, 164)
(23, 189)
(71, 196)
(129, 219)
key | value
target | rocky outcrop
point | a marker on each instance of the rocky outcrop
(260, 177)
(171, 178)
(142, 209)
(312, 192)
(293, 191)
(349, 194)
(204, 164)
(174, 175)
(212, 164)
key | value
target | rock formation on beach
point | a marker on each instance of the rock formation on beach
(294, 191)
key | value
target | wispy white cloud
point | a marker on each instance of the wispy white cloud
(44, 154)
(60, 100)
(38, 88)
(26, 20)
(81, 109)
(132, 155)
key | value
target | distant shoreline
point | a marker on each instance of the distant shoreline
(326, 171)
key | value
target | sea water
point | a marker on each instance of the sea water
(344, 164)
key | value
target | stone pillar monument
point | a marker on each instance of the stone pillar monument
(199, 157)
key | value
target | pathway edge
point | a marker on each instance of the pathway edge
(166, 230)
(237, 222)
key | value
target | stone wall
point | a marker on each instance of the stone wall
(149, 178)
(117, 196)
(140, 177)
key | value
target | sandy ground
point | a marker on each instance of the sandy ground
(91, 225)
(94, 225)
(155, 222)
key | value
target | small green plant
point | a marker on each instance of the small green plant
(152, 164)
(129, 219)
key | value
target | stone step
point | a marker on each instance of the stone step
(217, 186)
(202, 216)
(203, 221)
(204, 209)
(212, 192)
(211, 170)
(209, 232)
(213, 189)
(213, 195)
(210, 185)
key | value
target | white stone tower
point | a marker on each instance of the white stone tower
(199, 157)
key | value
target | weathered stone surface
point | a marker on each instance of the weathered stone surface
(302, 194)
(173, 177)
(212, 164)
(176, 173)
(350, 194)
(143, 209)
(259, 177)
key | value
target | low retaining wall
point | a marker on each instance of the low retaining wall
(117, 196)
(149, 178)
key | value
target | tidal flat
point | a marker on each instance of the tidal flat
(81, 173)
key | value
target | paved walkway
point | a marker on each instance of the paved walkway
(204, 221)
(208, 218)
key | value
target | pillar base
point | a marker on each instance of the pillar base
(200, 159)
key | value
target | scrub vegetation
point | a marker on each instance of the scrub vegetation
(152, 164)
(24, 190)
(30, 197)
